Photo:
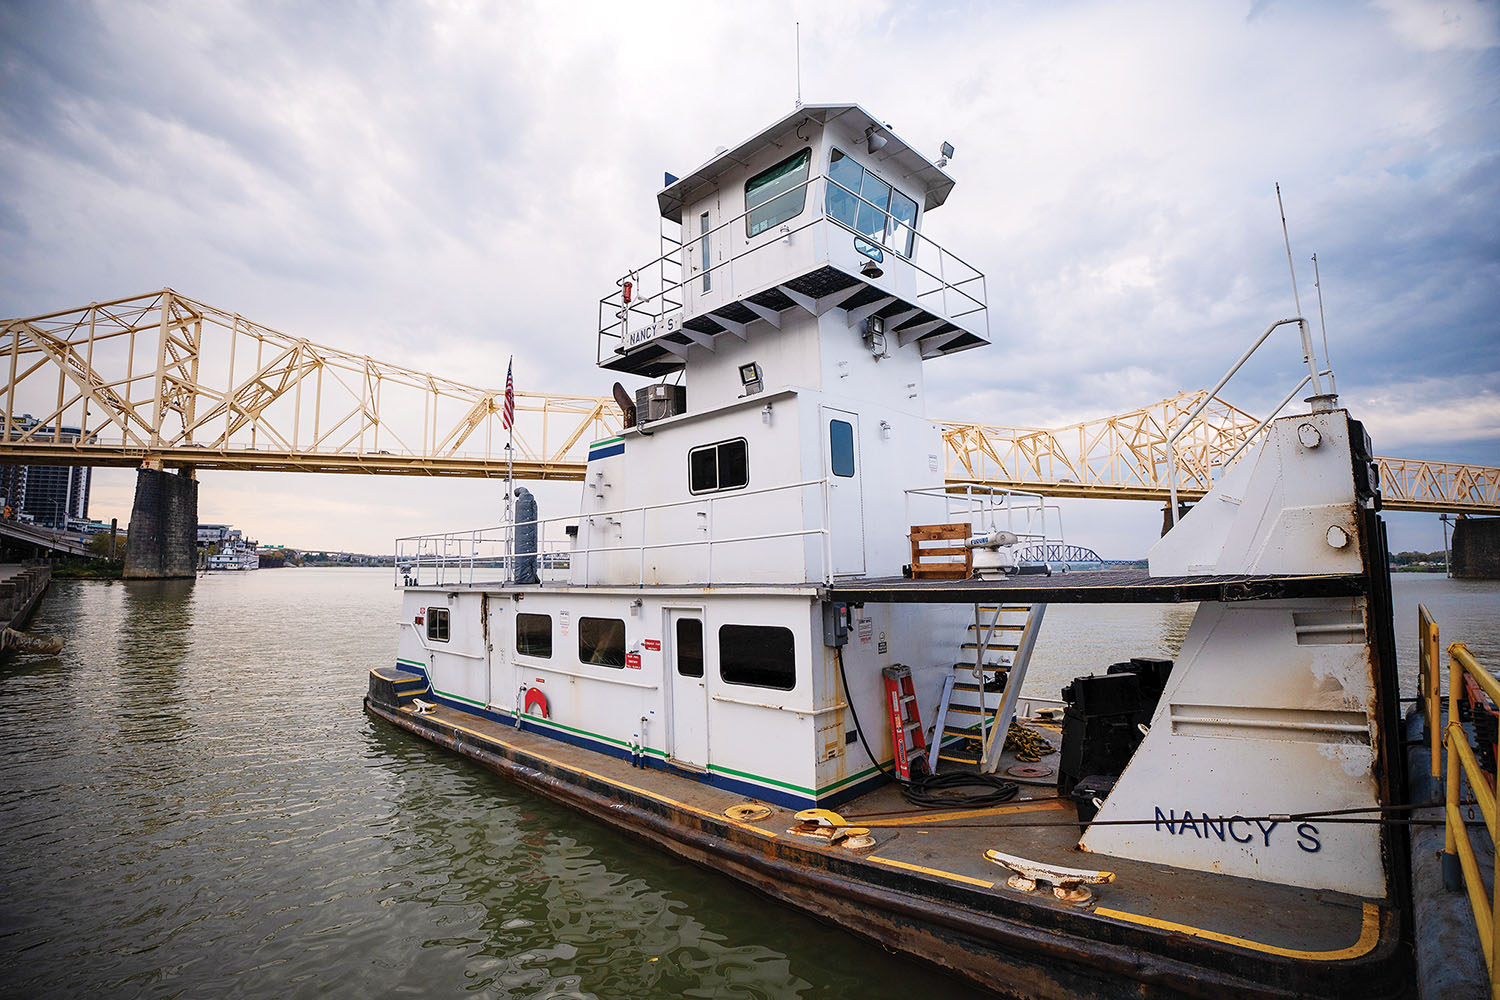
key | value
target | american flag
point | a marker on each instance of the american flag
(509, 415)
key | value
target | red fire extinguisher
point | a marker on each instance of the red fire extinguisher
(629, 285)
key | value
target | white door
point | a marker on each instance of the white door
(707, 278)
(683, 664)
(500, 635)
(846, 501)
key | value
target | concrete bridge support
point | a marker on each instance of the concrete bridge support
(1476, 548)
(163, 539)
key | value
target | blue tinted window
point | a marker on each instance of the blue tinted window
(841, 447)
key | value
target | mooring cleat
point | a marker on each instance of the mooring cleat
(1067, 883)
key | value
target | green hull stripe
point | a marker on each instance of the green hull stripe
(411, 663)
(613, 440)
(459, 697)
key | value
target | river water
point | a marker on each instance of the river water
(193, 803)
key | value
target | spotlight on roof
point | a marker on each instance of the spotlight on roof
(874, 141)
(946, 155)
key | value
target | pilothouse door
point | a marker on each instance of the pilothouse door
(684, 668)
(846, 502)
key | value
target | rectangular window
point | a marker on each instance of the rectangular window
(777, 194)
(868, 205)
(601, 641)
(437, 624)
(722, 466)
(690, 647)
(703, 251)
(534, 635)
(841, 448)
(757, 655)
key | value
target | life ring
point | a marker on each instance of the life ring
(536, 703)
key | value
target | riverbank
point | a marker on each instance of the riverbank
(21, 588)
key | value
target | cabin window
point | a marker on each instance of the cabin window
(841, 447)
(437, 624)
(534, 635)
(868, 205)
(722, 466)
(777, 194)
(690, 647)
(601, 641)
(757, 655)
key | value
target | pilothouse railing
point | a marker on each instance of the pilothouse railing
(946, 285)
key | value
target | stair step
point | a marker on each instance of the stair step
(959, 759)
(1002, 627)
(970, 732)
(1004, 647)
(973, 709)
(993, 668)
(1016, 608)
(974, 688)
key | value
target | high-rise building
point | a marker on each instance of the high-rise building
(48, 494)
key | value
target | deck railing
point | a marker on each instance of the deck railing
(1463, 767)
(1430, 697)
(488, 556)
(946, 285)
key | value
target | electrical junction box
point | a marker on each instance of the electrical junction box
(835, 623)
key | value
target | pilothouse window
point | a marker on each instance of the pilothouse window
(773, 196)
(722, 466)
(868, 205)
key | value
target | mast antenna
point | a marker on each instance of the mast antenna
(1296, 299)
(1318, 284)
(799, 63)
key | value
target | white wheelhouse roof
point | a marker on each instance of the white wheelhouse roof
(935, 183)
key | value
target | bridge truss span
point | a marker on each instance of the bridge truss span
(163, 380)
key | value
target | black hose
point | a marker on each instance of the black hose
(934, 791)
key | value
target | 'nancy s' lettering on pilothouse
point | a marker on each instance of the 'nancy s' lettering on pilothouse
(771, 604)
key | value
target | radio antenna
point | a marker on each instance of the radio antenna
(1318, 284)
(799, 64)
(1296, 299)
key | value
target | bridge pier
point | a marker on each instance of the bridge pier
(163, 536)
(1166, 514)
(1476, 548)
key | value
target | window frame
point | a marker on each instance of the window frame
(678, 645)
(800, 189)
(724, 661)
(834, 188)
(591, 662)
(432, 620)
(517, 630)
(718, 479)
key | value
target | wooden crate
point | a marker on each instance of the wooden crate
(931, 559)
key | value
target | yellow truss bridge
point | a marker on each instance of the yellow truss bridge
(161, 380)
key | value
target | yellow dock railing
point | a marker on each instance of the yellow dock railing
(1428, 667)
(1484, 902)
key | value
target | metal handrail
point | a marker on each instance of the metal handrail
(1429, 684)
(1461, 663)
(504, 534)
(1312, 368)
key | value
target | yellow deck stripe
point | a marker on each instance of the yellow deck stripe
(923, 820)
(1369, 935)
(609, 781)
(933, 871)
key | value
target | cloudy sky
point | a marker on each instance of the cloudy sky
(443, 185)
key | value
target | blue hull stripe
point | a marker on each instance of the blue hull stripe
(609, 452)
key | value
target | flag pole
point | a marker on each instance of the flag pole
(510, 471)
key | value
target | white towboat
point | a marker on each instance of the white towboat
(710, 646)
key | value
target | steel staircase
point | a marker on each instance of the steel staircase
(979, 698)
